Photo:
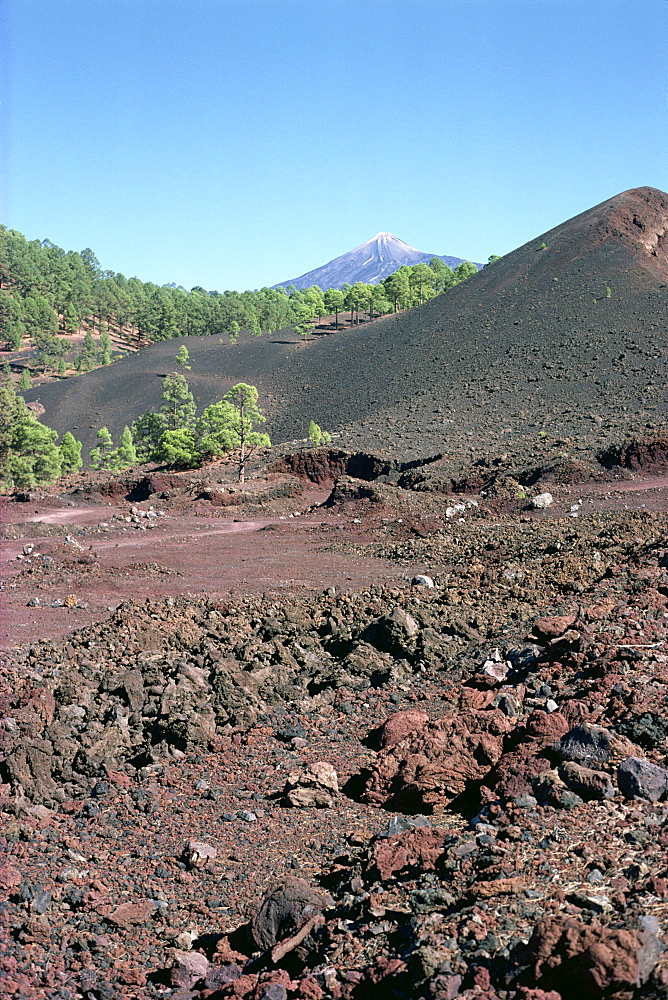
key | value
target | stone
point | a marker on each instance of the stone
(316, 786)
(272, 991)
(420, 580)
(220, 975)
(602, 961)
(552, 628)
(548, 788)
(128, 914)
(585, 744)
(391, 633)
(417, 850)
(641, 778)
(398, 725)
(284, 909)
(433, 765)
(542, 501)
(188, 969)
(197, 853)
(585, 782)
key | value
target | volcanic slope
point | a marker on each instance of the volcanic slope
(565, 336)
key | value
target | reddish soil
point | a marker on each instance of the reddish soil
(199, 553)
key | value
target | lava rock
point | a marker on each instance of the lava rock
(638, 777)
(284, 909)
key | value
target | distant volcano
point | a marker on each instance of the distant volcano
(370, 262)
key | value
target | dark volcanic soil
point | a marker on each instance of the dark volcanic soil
(569, 340)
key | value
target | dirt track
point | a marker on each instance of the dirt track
(199, 553)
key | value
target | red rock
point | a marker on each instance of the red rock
(420, 848)
(431, 766)
(552, 628)
(588, 959)
(243, 986)
(514, 773)
(10, 878)
(476, 697)
(546, 727)
(399, 725)
(128, 914)
(119, 778)
(309, 989)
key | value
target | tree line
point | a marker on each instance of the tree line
(46, 291)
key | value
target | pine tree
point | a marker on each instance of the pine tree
(70, 454)
(88, 357)
(146, 433)
(24, 384)
(178, 448)
(217, 429)
(182, 358)
(32, 455)
(178, 405)
(125, 456)
(244, 398)
(99, 456)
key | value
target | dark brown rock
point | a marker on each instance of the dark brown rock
(284, 909)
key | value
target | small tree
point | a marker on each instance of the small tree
(334, 303)
(88, 356)
(32, 454)
(305, 329)
(182, 358)
(100, 455)
(178, 448)
(24, 384)
(126, 455)
(178, 406)
(317, 436)
(146, 433)
(217, 430)
(105, 348)
(70, 454)
(244, 398)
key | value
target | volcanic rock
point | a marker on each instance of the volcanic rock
(317, 786)
(636, 776)
(432, 765)
(284, 909)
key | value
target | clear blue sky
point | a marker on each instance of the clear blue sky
(237, 143)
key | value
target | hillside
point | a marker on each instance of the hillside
(564, 337)
(370, 262)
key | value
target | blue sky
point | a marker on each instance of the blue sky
(238, 143)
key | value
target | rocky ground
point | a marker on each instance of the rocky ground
(217, 783)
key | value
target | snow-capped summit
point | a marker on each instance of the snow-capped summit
(370, 262)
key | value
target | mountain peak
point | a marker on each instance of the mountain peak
(370, 262)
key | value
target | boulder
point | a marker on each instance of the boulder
(591, 960)
(433, 765)
(188, 969)
(316, 786)
(392, 633)
(284, 909)
(399, 725)
(588, 784)
(641, 778)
